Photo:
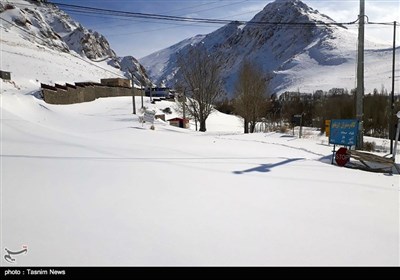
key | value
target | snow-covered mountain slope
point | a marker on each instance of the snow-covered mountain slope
(293, 57)
(31, 64)
(131, 65)
(30, 29)
(162, 65)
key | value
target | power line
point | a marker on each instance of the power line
(124, 14)
(225, 5)
(132, 19)
(179, 20)
(183, 21)
(191, 7)
(159, 17)
(178, 25)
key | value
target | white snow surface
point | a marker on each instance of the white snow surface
(88, 185)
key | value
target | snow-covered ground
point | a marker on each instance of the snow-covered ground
(31, 64)
(87, 184)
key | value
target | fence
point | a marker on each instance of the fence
(82, 92)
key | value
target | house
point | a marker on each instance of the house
(179, 122)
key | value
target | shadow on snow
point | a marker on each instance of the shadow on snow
(267, 167)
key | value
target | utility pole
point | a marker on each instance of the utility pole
(133, 94)
(141, 93)
(397, 137)
(184, 104)
(360, 76)
(391, 122)
(151, 94)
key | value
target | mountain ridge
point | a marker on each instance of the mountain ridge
(286, 39)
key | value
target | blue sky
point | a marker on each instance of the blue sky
(140, 37)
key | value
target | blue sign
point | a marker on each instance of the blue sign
(343, 132)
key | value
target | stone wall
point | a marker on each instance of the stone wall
(82, 92)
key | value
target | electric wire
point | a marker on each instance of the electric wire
(125, 14)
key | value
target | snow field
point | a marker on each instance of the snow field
(86, 184)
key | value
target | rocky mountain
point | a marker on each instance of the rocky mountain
(131, 65)
(162, 65)
(44, 24)
(308, 57)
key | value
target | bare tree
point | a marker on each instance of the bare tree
(187, 107)
(250, 91)
(200, 77)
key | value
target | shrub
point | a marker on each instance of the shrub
(369, 146)
(283, 129)
(167, 110)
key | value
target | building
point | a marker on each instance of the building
(158, 92)
(83, 92)
(179, 122)
(116, 82)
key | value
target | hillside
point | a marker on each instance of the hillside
(305, 58)
(41, 43)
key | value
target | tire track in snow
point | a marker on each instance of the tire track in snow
(277, 144)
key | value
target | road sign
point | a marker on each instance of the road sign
(343, 132)
(342, 157)
(327, 127)
(149, 116)
(297, 120)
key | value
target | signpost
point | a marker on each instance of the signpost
(149, 116)
(327, 127)
(342, 157)
(343, 132)
(133, 93)
(297, 120)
